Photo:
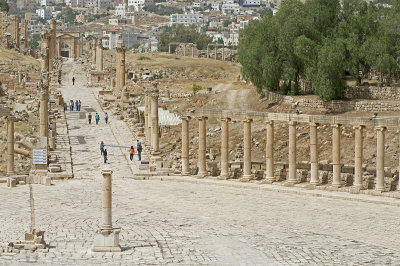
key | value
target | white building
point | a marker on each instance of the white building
(109, 39)
(120, 10)
(104, 4)
(47, 2)
(75, 3)
(251, 3)
(187, 19)
(139, 4)
(44, 13)
(229, 7)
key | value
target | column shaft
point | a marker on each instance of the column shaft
(185, 146)
(269, 152)
(292, 153)
(10, 146)
(380, 158)
(155, 141)
(314, 154)
(224, 148)
(107, 200)
(247, 149)
(358, 156)
(44, 114)
(202, 147)
(337, 168)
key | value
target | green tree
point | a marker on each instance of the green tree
(4, 6)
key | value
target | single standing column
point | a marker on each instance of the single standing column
(208, 51)
(120, 68)
(185, 146)
(52, 47)
(224, 148)
(292, 153)
(380, 158)
(149, 118)
(94, 44)
(44, 113)
(169, 48)
(269, 152)
(202, 147)
(10, 146)
(45, 51)
(314, 154)
(358, 156)
(107, 200)
(247, 150)
(192, 51)
(155, 141)
(146, 116)
(337, 168)
(215, 48)
(223, 53)
(99, 58)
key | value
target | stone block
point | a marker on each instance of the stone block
(349, 169)
(303, 165)
(46, 180)
(323, 177)
(11, 182)
(107, 241)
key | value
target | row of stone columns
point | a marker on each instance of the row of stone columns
(215, 51)
(292, 171)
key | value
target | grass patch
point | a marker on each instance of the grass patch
(143, 58)
(177, 58)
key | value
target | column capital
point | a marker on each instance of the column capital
(106, 172)
(202, 118)
(292, 123)
(336, 125)
(381, 128)
(11, 118)
(313, 124)
(186, 118)
(358, 127)
(247, 120)
(269, 121)
(227, 119)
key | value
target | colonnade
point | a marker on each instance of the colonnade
(216, 45)
(292, 149)
(151, 120)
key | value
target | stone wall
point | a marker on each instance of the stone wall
(373, 93)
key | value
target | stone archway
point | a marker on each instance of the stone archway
(65, 50)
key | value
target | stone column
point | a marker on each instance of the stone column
(292, 178)
(94, 44)
(52, 48)
(45, 51)
(223, 53)
(314, 154)
(215, 48)
(149, 117)
(147, 125)
(269, 152)
(201, 163)
(99, 58)
(185, 146)
(155, 141)
(169, 48)
(224, 148)
(107, 239)
(192, 51)
(380, 158)
(44, 112)
(358, 158)
(120, 65)
(208, 51)
(247, 150)
(10, 146)
(337, 168)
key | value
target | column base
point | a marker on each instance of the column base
(315, 183)
(10, 173)
(292, 181)
(268, 180)
(223, 177)
(246, 178)
(358, 186)
(380, 189)
(201, 175)
(185, 173)
(107, 240)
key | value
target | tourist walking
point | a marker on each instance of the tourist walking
(105, 155)
(97, 117)
(71, 105)
(102, 147)
(106, 117)
(90, 118)
(76, 105)
(80, 104)
(139, 149)
(131, 153)
(73, 80)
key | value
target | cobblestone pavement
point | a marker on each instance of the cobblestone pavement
(189, 224)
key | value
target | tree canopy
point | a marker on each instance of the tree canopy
(320, 41)
(180, 33)
(4, 6)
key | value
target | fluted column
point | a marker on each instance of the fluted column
(380, 158)
(269, 152)
(224, 148)
(185, 146)
(155, 141)
(337, 168)
(358, 156)
(44, 113)
(292, 153)
(314, 153)
(107, 199)
(10, 146)
(247, 150)
(202, 147)
(120, 68)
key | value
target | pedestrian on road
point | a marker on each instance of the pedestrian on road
(71, 105)
(77, 105)
(59, 81)
(73, 80)
(90, 118)
(80, 104)
(106, 117)
(102, 147)
(139, 149)
(65, 106)
(105, 155)
(97, 117)
(131, 152)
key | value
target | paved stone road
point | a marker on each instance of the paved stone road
(189, 224)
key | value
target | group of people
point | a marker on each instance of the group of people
(97, 118)
(104, 153)
(77, 105)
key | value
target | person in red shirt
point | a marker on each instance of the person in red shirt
(131, 152)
